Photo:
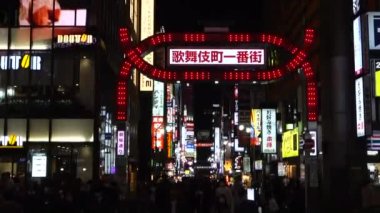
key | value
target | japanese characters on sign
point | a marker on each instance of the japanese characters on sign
(290, 143)
(158, 99)
(216, 57)
(268, 130)
(120, 142)
(359, 99)
(157, 131)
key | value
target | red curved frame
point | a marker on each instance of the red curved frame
(134, 58)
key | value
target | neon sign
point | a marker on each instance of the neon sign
(26, 61)
(134, 58)
(216, 57)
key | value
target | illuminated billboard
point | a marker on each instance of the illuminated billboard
(290, 144)
(50, 12)
(216, 56)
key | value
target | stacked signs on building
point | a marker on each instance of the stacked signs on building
(158, 116)
(363, 94)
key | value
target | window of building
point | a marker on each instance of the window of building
(4, 38)
(38, 130)
(72, 130)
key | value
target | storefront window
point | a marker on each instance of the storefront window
(73, 86)
(17, 127)
(74, 160)
(108, 140)
(374, 174)
(20, 38)
(4, 38)
(39, 130)
(42, 38)
(40, 90)
(19, 63)
(72, 130)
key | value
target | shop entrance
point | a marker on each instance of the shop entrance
(64, 161)
(13, 162)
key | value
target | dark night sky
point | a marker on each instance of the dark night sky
(191, 16)
(188, 15)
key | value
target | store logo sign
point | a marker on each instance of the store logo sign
(25, 61)
(11, 141)
(84, 39)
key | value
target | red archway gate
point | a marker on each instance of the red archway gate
(134, 58)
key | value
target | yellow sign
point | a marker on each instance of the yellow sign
(377, 84)
(12, 140)
(227, 165)
(146, 84)
(290, 143)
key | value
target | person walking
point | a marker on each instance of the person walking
(224, 199)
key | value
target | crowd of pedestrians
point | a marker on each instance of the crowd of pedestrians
(191, 195)
(59, 194)
(204, 195)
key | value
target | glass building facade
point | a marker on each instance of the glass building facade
(48, 107)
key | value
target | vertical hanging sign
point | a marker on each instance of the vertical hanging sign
(147, 29)
(269, 131)
(120, 142)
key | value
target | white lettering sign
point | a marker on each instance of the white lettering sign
(15, 62)
(269, 130)
(216, 56)
(359, 99)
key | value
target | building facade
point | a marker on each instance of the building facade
(59, 64)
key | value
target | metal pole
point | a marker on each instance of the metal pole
(307, 170)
